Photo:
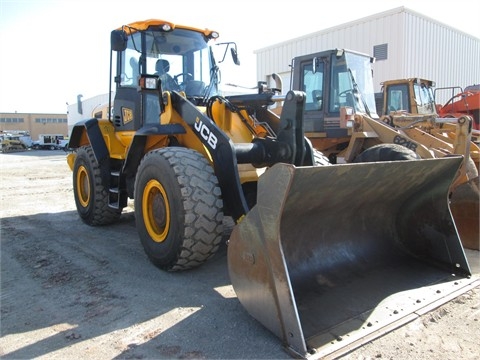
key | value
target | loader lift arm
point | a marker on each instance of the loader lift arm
(290, 146)
(220, 148)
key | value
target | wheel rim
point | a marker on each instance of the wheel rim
(156, 211)
(83, 186)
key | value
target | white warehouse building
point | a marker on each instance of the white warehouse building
(406, 44)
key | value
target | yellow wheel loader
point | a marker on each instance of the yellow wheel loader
(319, 252)
(409, 105)
(341, 121)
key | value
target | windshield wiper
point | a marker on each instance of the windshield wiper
(358, 93)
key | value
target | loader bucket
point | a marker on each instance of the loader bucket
(331, 256)
(465, 210)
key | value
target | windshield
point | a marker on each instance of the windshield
(346, 72)
(181, 58)
(424, 99)
(313, 85)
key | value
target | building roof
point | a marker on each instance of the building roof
(398, 10)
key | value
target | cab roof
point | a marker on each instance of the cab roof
(145, 24)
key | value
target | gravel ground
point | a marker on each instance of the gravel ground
(71, 291)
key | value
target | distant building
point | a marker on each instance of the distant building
(86, 109)
(406, 44)
(34, 124)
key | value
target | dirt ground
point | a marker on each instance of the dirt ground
(70, 291)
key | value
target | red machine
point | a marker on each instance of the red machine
(465, 102)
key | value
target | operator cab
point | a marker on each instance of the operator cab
(413, 96)
(333, 80)
(178, 56)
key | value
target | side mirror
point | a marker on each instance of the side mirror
(118, 40)
(235, 56)
(315, 64)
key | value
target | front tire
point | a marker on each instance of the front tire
(178, 208)
(91, 197)
(386, 152)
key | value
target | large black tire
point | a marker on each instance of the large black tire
(91, 197)
(386, 152)
(178, 208)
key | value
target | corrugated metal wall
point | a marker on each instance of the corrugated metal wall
(417, 47)
(440, 53)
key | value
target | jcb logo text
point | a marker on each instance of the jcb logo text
(205, 133)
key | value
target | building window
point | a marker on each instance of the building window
(50, 120)
(380, 52)
(10, 120)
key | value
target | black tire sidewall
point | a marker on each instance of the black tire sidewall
(163, 254)
(97, 212)
(386, 152)
(83, 159)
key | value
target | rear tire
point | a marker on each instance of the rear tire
(386, 152)
(91, 197)
(178, 208)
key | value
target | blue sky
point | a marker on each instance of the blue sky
(53, 50)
